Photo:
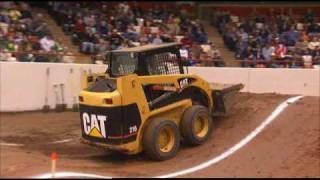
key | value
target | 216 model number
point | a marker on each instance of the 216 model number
(133, 129)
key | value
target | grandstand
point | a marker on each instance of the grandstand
(237, 35)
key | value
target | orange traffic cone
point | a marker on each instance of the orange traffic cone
(53, 163)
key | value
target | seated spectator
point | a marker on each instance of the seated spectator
(5, 55)
(185, 55)
(131, 34)
(194, 60)
(309, 16)
(14, 13)
(196, 50)
(280, 51)
(201, 37)
(307, 58)
(215, 54)
(314, 44)
(79, 32)
(11, 45)
(103, 46)
(316, 59)
(116, 39)
(38, 27)
(68, 23)
(157, 39)
(186, 40)
(3, 40)
(40, 56)
(267, 52)
(47, 43)
(313, 29)
(102, 28)
(25, 12)
(68, 58)
(291, 36)
(88, 43)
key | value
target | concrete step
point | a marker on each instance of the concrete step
(59, 35)
(216, 38)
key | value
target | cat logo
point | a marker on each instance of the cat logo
(94, 125)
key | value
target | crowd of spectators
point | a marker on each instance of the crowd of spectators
(24, 36)
(274, 40)
(97, 27)
(283, 39)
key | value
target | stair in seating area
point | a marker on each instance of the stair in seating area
(62, 38)
(216, 38)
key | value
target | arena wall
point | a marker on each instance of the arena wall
(23, 86)
(265, 80)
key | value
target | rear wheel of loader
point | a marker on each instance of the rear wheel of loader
(161, 139)
(196, 125)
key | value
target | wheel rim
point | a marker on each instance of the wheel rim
(166, 139)
(201, 125)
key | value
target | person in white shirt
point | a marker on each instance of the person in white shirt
(314, 43)
(47, 43)
(157, 40)
(267, 52)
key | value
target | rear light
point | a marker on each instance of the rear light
(107, 101)
(80, 98)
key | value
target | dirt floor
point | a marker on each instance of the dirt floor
(288, 147)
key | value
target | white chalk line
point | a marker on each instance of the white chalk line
(203, 165)
(236, 147)
(54, 142)
(60, 141)
(11, 144)
(70, 174)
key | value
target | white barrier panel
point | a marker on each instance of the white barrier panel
(265, 80)
(24, 85)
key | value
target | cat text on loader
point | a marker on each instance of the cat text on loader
(145, 103)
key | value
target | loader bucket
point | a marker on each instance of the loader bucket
(223, 97)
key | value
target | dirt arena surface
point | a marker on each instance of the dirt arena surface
(288, 147)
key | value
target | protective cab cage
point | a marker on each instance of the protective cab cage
(145, 60)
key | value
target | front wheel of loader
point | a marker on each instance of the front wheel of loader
(161, 139)
(196, 125)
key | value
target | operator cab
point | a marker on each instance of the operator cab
(145, 60)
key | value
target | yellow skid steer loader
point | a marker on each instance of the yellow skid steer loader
(145, 103)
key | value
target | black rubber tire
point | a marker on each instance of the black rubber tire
(186, 124)
(150, 139)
